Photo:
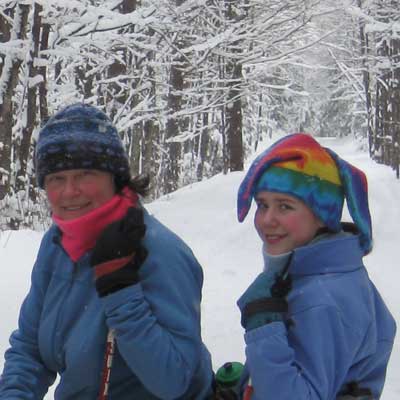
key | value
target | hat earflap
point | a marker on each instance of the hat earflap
(355, 188)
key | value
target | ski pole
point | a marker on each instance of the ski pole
(108, 359)
(248, 391)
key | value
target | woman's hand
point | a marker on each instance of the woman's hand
(119, 253)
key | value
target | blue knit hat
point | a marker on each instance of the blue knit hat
(80, 136)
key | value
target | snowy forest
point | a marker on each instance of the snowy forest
(194, 86)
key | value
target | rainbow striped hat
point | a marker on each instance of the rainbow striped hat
(298, 165)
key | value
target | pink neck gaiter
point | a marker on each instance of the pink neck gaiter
(80, 234)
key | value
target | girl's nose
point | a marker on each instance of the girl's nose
(269, 217)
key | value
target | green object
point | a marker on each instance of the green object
(229, 374)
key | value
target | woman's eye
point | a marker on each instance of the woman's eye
(86, 175)
(55, 178)
(53, 181)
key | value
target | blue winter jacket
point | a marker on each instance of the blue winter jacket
(338, 329)
(63, 326)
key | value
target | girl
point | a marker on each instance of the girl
(316, 326)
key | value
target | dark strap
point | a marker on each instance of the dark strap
(351, 391)
(282, 286)
(266, 304)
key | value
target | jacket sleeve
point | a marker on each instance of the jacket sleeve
(157, 322)
(308, 360)
(25, 375)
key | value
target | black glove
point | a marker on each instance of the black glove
(118, 253)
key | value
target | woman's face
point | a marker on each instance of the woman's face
(283, 222)
(74, 193)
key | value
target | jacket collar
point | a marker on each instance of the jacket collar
(337, 253)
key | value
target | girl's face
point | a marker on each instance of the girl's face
(74, 193)
(283, 222)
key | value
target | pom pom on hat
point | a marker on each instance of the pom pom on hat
(299, 166)
(80, 136)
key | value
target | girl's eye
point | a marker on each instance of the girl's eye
(285, 207)
(262, 206)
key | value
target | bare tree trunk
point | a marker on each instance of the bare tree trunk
(203, 151)
(5, 32)
(5, 104)
(150, 161)
(387, 118)
(43, 106)
(31, 107)
(222, 127)
(234, 121)
(8, 83)
(174, 126)
(366, 81)
(118, 96)
(171, 177)
(234, 103)
(395, 106)
(151, 137)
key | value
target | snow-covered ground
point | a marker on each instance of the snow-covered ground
(204, 214)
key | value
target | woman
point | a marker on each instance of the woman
(114, 304)
(316, 326)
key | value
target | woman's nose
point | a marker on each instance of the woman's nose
(71, 187)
